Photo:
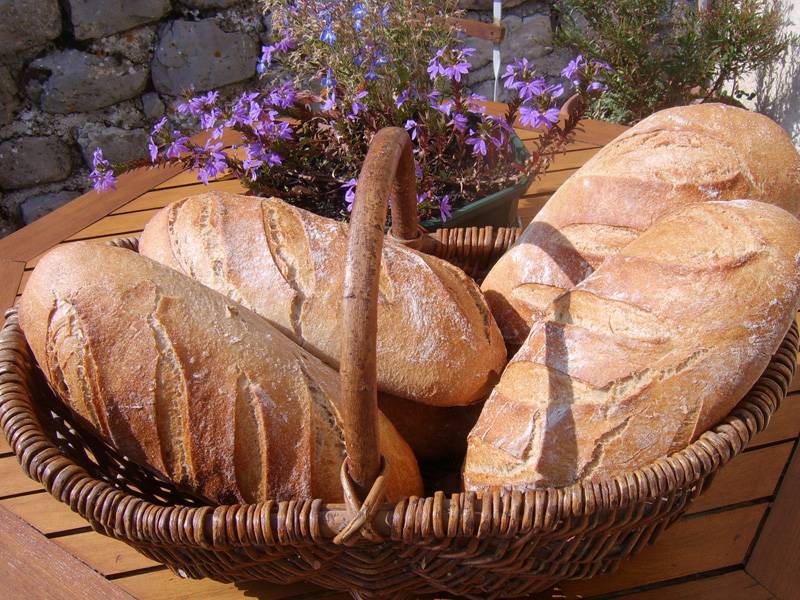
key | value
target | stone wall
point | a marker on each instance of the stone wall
(78, 74)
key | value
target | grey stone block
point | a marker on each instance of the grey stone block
(31, 161)
(119, 145)
(8, 96)
(82, 82)
(153, 106)
(203, 4)
(28, 24)
(37, 206)
(98, 18)
(201, 56)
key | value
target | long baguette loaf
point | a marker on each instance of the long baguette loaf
(647, 353)
(437, 342)
(671, 159)
(195, 386)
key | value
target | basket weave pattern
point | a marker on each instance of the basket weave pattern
(500, 544)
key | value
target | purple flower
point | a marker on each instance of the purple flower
(444, 107)
(517, 74)
(423, 196)
(532, 89)
(555, 91)
(573, 68)
(450, 63)
(356, 106)
(153, 147)
(478, 144)
(330, 102)
(350, 194)
(359, 12)
(102, 177)
(198, 104)
(103, 180)
(404, 96)
(209, 119)
(282, 97)
(459, 121)
(245, 111)
(445, 210)
(534, 118)
(328, 81)
(434, 67)
(328, 35)
(177, 146)
(597, 86)
(159, 126)
(282, 46)
(599, 66)
(411, 127)
(209, 161)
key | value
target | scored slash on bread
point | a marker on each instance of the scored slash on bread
(647, 353)
(671, 159)
(437, 341)
(185, 381)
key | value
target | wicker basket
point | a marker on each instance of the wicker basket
(503, 544)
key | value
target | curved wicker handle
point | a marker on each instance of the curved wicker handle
(388, 172)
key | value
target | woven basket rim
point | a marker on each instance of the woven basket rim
(549, 506)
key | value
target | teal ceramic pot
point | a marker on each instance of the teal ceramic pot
(498, 209)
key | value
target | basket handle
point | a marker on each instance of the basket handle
(388, 172)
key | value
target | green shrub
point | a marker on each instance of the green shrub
(667, 53)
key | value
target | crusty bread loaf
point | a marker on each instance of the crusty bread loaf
(673, 158)
(182, 379)
(437, 341)
(647, 353)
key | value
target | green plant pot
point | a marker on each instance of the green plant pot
(498, 209)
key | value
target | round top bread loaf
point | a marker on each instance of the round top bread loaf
(437, 341)
(673, 158)
(647, 353)
(181, 379)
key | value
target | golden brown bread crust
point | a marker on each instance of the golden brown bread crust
(184, 380)
(647, 353)
(673, 158)
(437, 341)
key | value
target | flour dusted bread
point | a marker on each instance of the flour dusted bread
(647, 353)
(182, 379)
(671, 159)
(437, 342)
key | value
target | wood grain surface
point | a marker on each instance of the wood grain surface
(775, 562)
(33, 567)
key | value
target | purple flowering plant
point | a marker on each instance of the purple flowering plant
(358, 66)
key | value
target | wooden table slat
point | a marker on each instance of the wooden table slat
(13, 480)
(736, 585)
(124, 224)
(74, 216)
(33, 567)
(749, 476)
(104, 554)
(160, 198)
(775, 562)
(784, 424)
(45, 513)
(694, 545)
(165, 585)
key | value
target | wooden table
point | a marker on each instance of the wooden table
(740, 541)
